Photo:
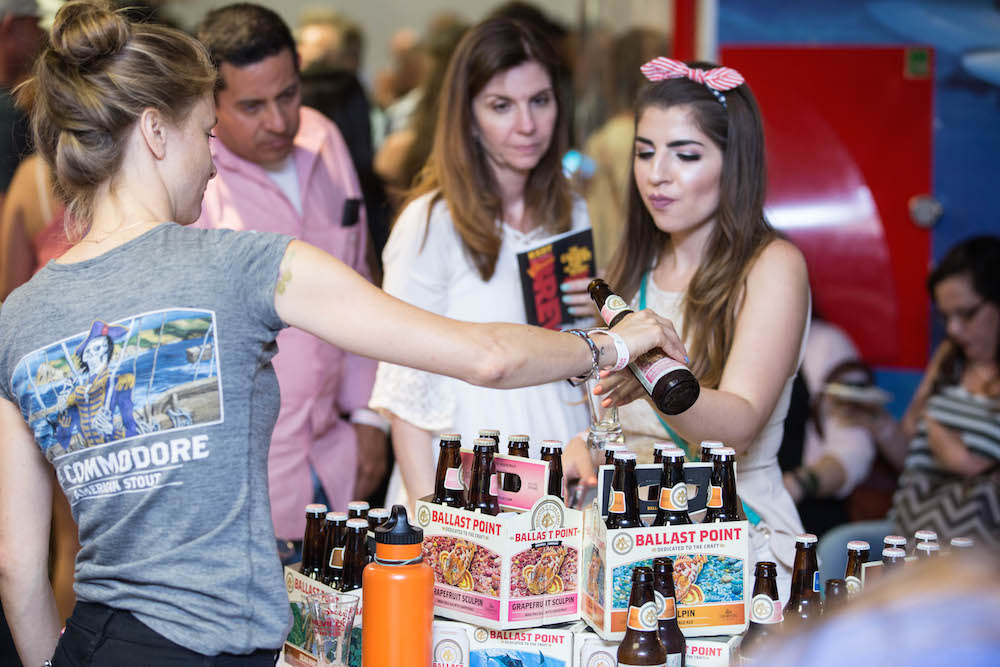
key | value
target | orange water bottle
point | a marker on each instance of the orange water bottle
(399, 598)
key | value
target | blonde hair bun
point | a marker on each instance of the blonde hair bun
(85, 32)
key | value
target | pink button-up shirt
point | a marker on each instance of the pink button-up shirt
(319, 382)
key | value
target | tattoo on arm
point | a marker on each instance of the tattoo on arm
(285, 273)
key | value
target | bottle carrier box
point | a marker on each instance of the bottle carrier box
(299, 649)
(589, 650)
(518, 569)
(469, 645)
(711, 568)
(713, 651)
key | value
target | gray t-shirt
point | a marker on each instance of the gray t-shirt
(145, 375)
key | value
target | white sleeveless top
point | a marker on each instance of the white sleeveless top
(758, 477)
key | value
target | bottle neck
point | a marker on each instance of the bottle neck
(804, 570)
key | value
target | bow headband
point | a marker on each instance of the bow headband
(716, 79)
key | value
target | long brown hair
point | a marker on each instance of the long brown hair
(457, 168)
(91, 84)
(741, 231)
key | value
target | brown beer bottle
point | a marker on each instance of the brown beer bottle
(928, 550)
(722, 487)
(893, 558)
(376, 517)
(670, 633)
(333, 561)
(313, 542)
(671, 385)
(765, 611)
(857, 555)
(358, 509)
(493, 435)
(804, 604)
(923, 536)
(355, 554)
(610, 449)
(673, 502)
(894, 542)
(835, 596)
(448, 489)
(641, 646)
(623, 506)
(706, 449)
(658, 449)
(517, 445)
(552, 452)
(483, 486)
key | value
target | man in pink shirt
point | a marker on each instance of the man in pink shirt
(285, 168)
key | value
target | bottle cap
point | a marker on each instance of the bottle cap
(552, 444)
(451, 437)
(893, 552)
(723, 451)
(806, 538)
(625, 456)
(928, 546)
(660, 446)
(358, 505)
(926, 535)
(858, 545)
(483, 442)
(963, 542)
(518, 438)
(673, 453)
(489, 433)
(378, 513)
(398, 530)
(895, 540)
(336, 516)
(710, 444)
(315, 509)
(357, 523)
(615, 447)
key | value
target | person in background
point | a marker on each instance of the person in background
(327, 37)
(951, 479)
(611, 146)
(493, 187)
(20, 38)
(178, 564)
(396, 89)
(698, 250)
(284, 168)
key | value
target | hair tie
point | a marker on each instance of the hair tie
(716, 79)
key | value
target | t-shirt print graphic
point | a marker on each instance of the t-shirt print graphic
(147, 374)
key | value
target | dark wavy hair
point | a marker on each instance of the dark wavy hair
(243, 34)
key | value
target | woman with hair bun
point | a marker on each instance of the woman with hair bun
(162, 454)
(698, 250)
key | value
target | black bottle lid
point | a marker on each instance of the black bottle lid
(397, 529)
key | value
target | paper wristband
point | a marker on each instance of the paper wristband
(620, 348)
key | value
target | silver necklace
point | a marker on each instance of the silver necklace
(110, 234)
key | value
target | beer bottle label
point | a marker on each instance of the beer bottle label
(714, 496)
(816, 581)
(612, 306)
(453, 479)
(665, 606)
(650, 366)
(617, 505)
(765, 610)
(337, 558)
(853, 586)
(675, 660)
(493, 484)
(674, 499)
(643, 619)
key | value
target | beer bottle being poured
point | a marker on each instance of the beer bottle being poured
(673, 502)
(765, 611)
(448, 489)
(483, 487)
(314, 542)
(671, 385)
(722, 487)
(641, 646)
(333, 561)
(355, 554)
(670, 633)
(623, 510)
(552, 452)
(857, 555)
(804, 603)
(517, 445)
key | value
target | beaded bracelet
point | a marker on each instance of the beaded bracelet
(580, 379)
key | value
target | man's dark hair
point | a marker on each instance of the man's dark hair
(242, 34)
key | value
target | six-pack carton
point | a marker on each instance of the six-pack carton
(590, 650)
(711, 561)
(467, 645)
(518, 569)
(299, 649)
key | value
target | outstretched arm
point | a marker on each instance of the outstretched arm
(319, 294)
(25, 517)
